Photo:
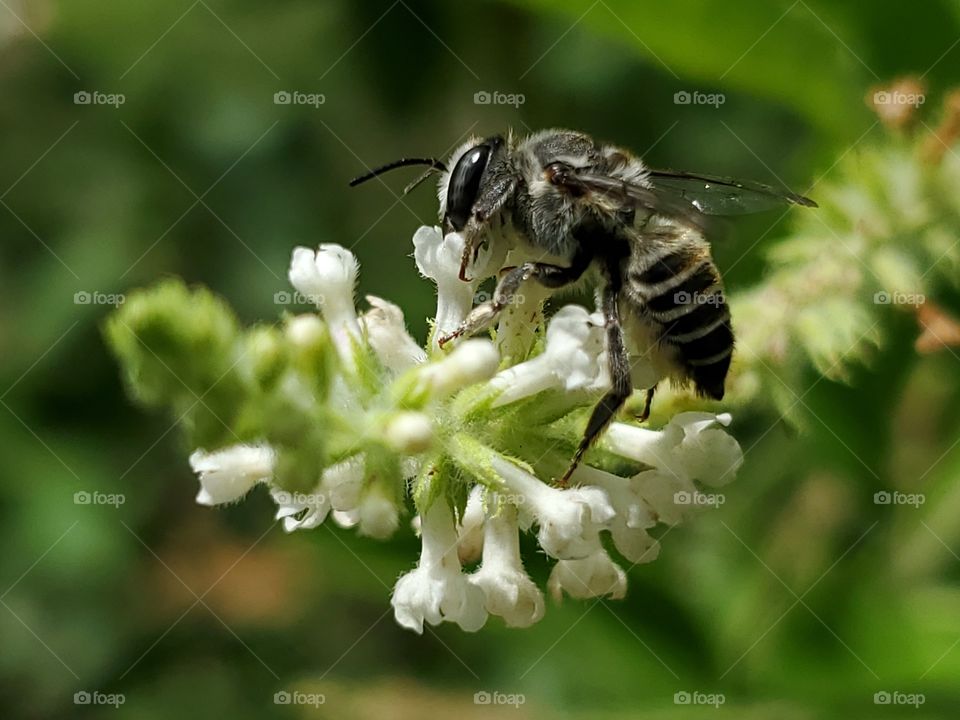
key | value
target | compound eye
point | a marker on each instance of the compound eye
(465, 185)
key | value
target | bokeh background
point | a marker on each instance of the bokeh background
(799, 598)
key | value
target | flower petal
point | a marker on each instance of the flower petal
(228, 474)
(593, 576)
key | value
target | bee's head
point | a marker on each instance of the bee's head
(460, 186)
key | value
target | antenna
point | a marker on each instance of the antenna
(403, 162)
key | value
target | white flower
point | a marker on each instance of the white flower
(338, 490)
(509, 591)
(387, 334)
(688, 447)
(470, 362)
(437, 590)
(328, 276)
(379, 514)
(573, 359)
(301, 511)
(439, 258)
(660, 491)
(570, 520)
(228, 474)
(343, 483)
(634, 516)
(470, 531)
(593, 576)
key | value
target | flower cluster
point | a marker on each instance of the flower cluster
(882, 245)
(344, 415)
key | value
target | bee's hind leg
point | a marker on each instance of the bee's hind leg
(622, 385)
(551, 276)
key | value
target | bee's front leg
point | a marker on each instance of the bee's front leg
(483, 315)
(551, 276)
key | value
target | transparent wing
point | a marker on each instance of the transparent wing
(687, 197)
(630, 194)
(723, 196)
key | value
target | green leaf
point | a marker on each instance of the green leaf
(753, 46)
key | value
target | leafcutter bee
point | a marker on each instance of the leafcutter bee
(573, 205)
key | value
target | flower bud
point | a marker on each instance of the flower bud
(409, 432)
(470, 362)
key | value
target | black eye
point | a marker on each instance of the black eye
(465, 185)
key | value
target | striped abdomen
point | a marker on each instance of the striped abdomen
(683, 295)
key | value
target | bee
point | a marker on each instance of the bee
(575, 206)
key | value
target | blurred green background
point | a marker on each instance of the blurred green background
(799, 598)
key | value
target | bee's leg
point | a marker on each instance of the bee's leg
(551, 276)
(645, 415)
(622, 385)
